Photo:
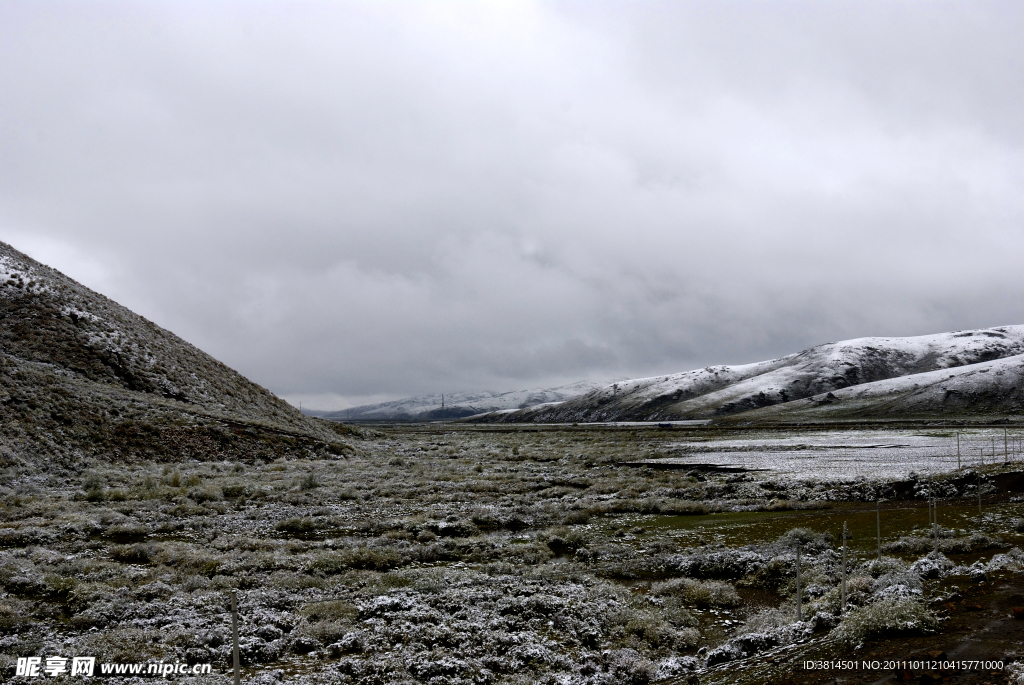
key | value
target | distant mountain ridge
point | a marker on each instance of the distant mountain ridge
(457, 405)
(916, 377)
(82, 376)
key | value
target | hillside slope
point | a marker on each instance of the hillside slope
(457, 405)
(84, 377)
(991, 391)
(720, 391)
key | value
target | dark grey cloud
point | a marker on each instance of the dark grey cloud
(353, 201)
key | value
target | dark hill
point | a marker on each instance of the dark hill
(83, 377)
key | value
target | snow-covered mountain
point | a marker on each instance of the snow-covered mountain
(987, 390)
(946, 373)
(457, 405)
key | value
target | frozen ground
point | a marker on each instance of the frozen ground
(836, 455)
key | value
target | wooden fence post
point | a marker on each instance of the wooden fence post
(234, 631)
(842, 606)
(878, 521)
(799, 599)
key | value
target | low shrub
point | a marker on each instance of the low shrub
(57, 586)
(659, 634)
(336, 610)
(207, 493)
(767, 620)
(126, 531)
(530, 553)
(191, 583)
(811, 541)
(729, 564)
(125, 644)
(115, 495)
(628, 667)
(454, 529)
(324, 632)
(771, 574)
(565, 540)
(493, 518)
(685, 507)
(701, 593)
(233, 491)
(134, 554)
(576, 517)
(187, 559)
(360, 558)
(885, 618)
(25, 536)
(13, 615)
(885, 566)
(93, 481)
(675, 611)
(296, 526)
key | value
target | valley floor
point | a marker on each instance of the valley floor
(442, 553)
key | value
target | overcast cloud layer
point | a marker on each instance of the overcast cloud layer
(360, 201)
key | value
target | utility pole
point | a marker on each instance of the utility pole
(1006, 450)
(957, 451)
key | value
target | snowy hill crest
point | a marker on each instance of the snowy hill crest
(458, 405)
(878, 367)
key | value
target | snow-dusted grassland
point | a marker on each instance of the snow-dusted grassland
(457, 555)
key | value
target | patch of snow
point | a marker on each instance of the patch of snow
(843, 454)
(70, 310)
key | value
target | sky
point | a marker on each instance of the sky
(351, 202)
